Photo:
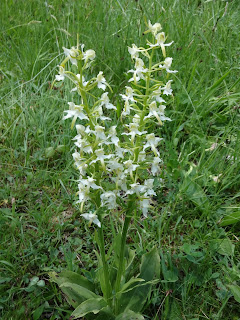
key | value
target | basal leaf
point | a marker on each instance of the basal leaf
(73, 277)
(94, 305)
(73, 297)
(150, 268)
(80, 291)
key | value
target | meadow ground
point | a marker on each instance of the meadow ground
(195, 220)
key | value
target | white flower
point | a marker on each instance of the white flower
(98, 112)
(154, 28)
(152, 142)
(61, 74)
(167, 65)
(84, 145)
(135, 188)
(84, 189)
(75, 112)
(129, 95)
(144, 204)
(155, 169)
(89, 183)
(130, 167)
(167, 89)
(84, 83)
(148, 187)
(114, 165)
(136, 119)
(101, 81)
(108, 199)
(100, 156)
(126, 109)
(158, 112)
(133, 128)
(160, 37)
(92, 218)
(121, 151)
(112, 134)
(105, 102)
(89, 55)
(80, 163)
(156, 95)
(81, 130)
(134, 51)
(138, 73)
(99, 132)
(83, 193)
(141, 156)
(72, 54)
(120, 180)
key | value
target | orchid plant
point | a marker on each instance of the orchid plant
(112, 161)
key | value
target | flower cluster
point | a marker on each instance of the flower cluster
(112, 159)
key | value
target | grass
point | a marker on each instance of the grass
(40, 228)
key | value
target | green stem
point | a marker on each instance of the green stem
(104, 263)
(84, 97)
(147, 88)
(141, 123)
(121, 257)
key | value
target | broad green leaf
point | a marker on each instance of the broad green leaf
(231, 218)
(77, 293)
(135, 298)
(150, 266)
(72, 277)
(73, 297)
(94, 305)
(235, 290)
(129, 315)
(226, 247)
